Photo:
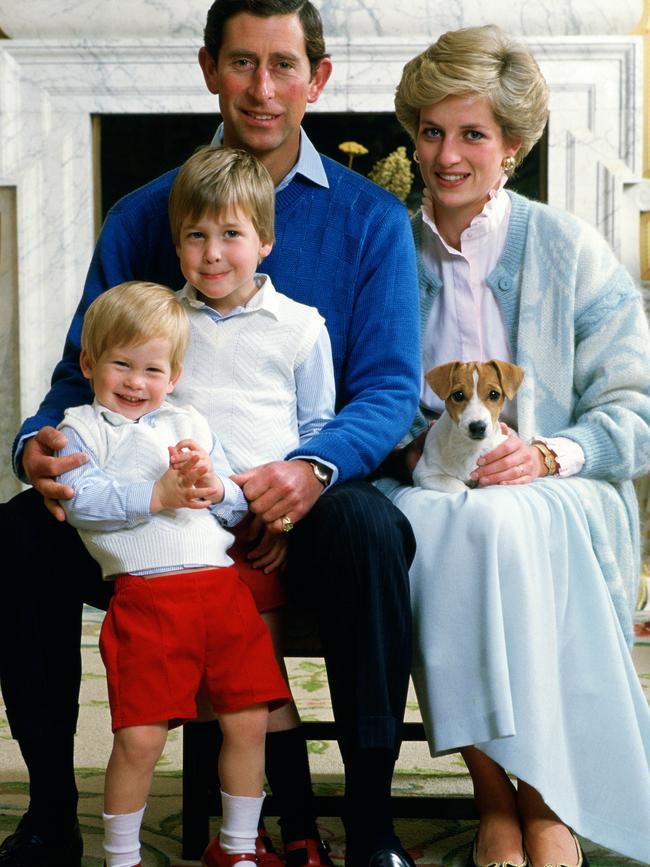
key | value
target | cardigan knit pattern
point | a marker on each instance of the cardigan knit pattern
(346, 250)
(241, 373)
(131, 453)
(576, 325)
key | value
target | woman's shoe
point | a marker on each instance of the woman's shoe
(583, 861)
(472, 861)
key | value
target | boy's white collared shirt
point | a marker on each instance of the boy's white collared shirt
(264, 299)
(314, 377)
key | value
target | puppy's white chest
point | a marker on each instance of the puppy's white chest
(449, 457)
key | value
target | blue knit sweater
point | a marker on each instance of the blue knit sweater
(346, 249)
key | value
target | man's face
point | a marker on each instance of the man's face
(264, 83)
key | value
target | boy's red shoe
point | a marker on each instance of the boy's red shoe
(265, 851)
(214, 856)
(307, 853)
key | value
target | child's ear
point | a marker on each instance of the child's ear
(173, 380)
(85, 365)
(265, 249)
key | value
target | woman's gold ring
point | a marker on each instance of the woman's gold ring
(287, 524)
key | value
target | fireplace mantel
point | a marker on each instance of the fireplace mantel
(348, 19)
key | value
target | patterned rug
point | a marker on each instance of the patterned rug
(430, 842)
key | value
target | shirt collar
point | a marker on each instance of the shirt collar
(266, 298)
(116, 419)
(309, 163)
(495, 210)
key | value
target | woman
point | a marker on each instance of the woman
(522, 589)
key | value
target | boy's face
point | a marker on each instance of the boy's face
(219, 257)
(132, 380)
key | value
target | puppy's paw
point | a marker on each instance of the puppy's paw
(444, 484)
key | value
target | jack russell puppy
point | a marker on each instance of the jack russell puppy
(474, 394)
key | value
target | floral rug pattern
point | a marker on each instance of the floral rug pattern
(430, 842)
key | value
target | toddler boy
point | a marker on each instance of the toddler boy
(181, 621)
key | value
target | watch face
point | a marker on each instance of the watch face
(323, 474)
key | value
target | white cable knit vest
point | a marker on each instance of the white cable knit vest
(240, 374)
(129, 453)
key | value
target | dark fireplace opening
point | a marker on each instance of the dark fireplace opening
(135, 148)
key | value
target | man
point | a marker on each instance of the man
(344, 246)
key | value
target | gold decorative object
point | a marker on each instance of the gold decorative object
(508, 165)
(352, 149)
(394, 173)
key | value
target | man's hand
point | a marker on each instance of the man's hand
(280, 488)
(42, 468)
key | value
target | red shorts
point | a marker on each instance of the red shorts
(268, 590)
(166, 638)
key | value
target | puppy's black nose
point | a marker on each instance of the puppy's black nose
(477, 430)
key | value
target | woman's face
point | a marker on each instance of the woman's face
(461, 148)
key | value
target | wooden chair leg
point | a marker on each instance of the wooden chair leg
(201, 742)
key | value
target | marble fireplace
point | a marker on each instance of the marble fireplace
(59, 71)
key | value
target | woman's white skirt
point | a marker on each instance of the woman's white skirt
(518, 650)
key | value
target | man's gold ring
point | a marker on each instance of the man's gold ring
(287, 524)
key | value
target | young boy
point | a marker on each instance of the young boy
(259, 367)
(180, 620)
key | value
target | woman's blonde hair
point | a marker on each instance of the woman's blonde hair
(218, 180)
(485, 62)
(133, 313)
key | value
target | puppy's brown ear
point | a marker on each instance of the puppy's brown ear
(510, 376)
(440, 378)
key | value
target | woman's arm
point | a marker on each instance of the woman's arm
(612, 385)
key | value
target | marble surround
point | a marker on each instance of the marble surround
(57, 72)
(348, 19)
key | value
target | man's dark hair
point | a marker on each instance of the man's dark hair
(222, 10)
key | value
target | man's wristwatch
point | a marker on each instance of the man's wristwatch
(550, 460)
(322, 472)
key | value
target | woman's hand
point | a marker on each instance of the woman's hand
(512, 462)
(400, 463)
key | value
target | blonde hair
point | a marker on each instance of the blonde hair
(133, 313)
(485, 62)
(217, 180)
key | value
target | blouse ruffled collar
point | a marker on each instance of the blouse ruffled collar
(494, 212)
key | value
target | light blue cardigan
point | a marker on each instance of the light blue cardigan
(576, 325)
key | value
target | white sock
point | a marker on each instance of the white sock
(241, 817)
(122, 838)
